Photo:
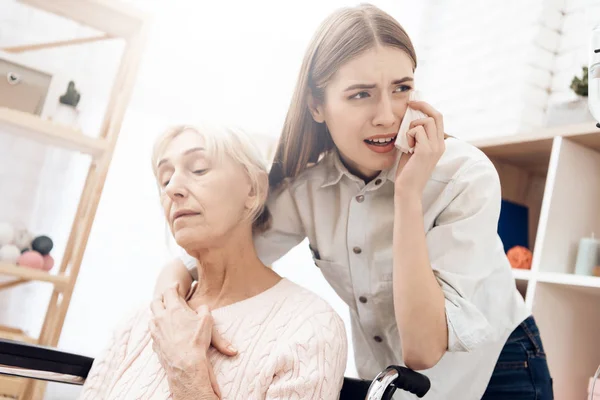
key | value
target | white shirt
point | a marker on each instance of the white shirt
(349, 225)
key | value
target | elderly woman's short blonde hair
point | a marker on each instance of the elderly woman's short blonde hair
(221, 141)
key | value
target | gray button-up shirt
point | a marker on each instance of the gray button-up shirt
(349, 225)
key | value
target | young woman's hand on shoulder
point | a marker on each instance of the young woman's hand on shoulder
(427, 137)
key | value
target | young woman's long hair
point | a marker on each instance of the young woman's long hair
(344, 35)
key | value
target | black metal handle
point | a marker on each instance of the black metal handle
(411, 381)
(395, 377)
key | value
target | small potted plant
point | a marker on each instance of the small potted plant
(580, 86)
(66, 110)
(573, 111)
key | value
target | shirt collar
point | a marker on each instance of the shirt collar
(336, 169)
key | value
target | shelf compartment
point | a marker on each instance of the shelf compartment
(33, 127)
(571, 209)
(524, 164)
(569, 323)
(523, 183)
(12, 387)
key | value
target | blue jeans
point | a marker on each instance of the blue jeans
(521, 372)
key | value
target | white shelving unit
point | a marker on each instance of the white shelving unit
(556, 173)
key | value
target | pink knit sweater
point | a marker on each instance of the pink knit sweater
(291, 345)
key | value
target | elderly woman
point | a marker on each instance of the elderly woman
(286, 342)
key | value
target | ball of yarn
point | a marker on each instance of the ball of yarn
(48, 262)
(31, 259)
(42, 244)
(9, 253)
(7, 233)
(23, 239)
(520, 257)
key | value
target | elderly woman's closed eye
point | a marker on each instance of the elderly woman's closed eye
(242, 331)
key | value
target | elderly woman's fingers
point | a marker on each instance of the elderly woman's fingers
(216, 340)
(222, 345)
(153, 329)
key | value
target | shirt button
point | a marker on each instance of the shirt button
(360, 198)
(357, 250)
(378, 339)
(378, 181)
(362, 299)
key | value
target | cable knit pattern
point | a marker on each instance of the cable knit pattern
(291, 343)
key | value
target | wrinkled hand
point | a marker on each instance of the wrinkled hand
(182, 336)
(427, 137)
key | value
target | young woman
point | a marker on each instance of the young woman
(408, 241)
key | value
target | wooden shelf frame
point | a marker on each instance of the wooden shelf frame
(54, 44)
(112, 17)
(25, 274)
(117, 20)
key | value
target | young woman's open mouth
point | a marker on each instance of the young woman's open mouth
(381, 143)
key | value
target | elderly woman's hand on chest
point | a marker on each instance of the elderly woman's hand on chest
(181, 338)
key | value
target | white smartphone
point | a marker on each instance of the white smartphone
(411, 115)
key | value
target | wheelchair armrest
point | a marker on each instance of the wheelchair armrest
(41, 362)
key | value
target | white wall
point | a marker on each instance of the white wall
(573, 52)
(491, 68)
